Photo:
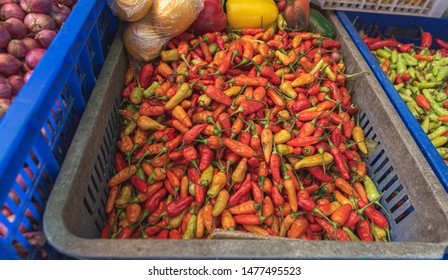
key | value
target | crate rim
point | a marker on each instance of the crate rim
(70, 244)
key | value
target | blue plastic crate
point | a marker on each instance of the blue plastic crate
(405, 29)
(37, 130)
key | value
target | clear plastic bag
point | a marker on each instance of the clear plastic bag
(130, 10)
(145, 39)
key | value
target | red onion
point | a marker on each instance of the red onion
(335, 56)
(5, 88)
(59, 14)
(37, 22)
(36, 6)
(27, 76)
(9, 65)
(33, 57)
(16, 28)
(45, 37)
(5, 37)
(17, 48)
(4, 106)
(30, 43)
(65, 2)
(16, 83)
(12, 10)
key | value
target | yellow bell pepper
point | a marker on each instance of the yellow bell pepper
(251, 13)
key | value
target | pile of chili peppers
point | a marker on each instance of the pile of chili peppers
(251, 131)
(420, 75)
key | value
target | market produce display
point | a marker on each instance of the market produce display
(420, 75)
(27, 28)
(249, 130)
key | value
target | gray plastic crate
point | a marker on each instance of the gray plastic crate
(75, 215)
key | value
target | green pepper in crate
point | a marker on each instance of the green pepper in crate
(425, 124)
(439, 141)
(438, 132)
(394, 57)
(383, 53)
(401, 66)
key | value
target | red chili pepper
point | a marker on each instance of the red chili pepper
(318, 173)
(206, 158)
(245, 188)
(376, 216)
(146, 75)
(426, 40)
(225, 64)
(339, 161)
(422, 102)
(364, 230)
(120, 163)
(191, 135)
(126, 93)
(306, 204)
(176, 207)
(220, 42)
(153, 201)
(125, 233)
(341, 235)
(441, 43)
(139, 184)
(385, 43)
(267, 72)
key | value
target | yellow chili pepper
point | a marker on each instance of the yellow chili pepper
(191, 227)
(379, 232)
(232, 91)
(287, 89)
(314, 160)
(282, 137)
(221, 203)
(183, 92)
(303, 80)
(239, 173)
(251, 13)
(169, 55)
(358, 136)
(283, 58)
(207, 176)
(179, 113)
(146, 123)
(284, 150)
(218, 182)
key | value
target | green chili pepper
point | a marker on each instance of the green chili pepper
(352, 236)
(371, 190)
(442, 74)
(399, 86)
(441, 97)
(439, 141)
(132, 125)
(124, 197)
(411, 61)
(392, 76)
(425, 124)
(141, 174)
(411, 108)
(132, 108)
(443, 152)
(406, 98)
(213, 47)
(411, 72)
(423, 85)
(191, 190)
(394, 57)
(422, 64)
(383, 53)
(150, 90)
(436, 125)
(438, 132)
(401, 67)
(136, 95)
